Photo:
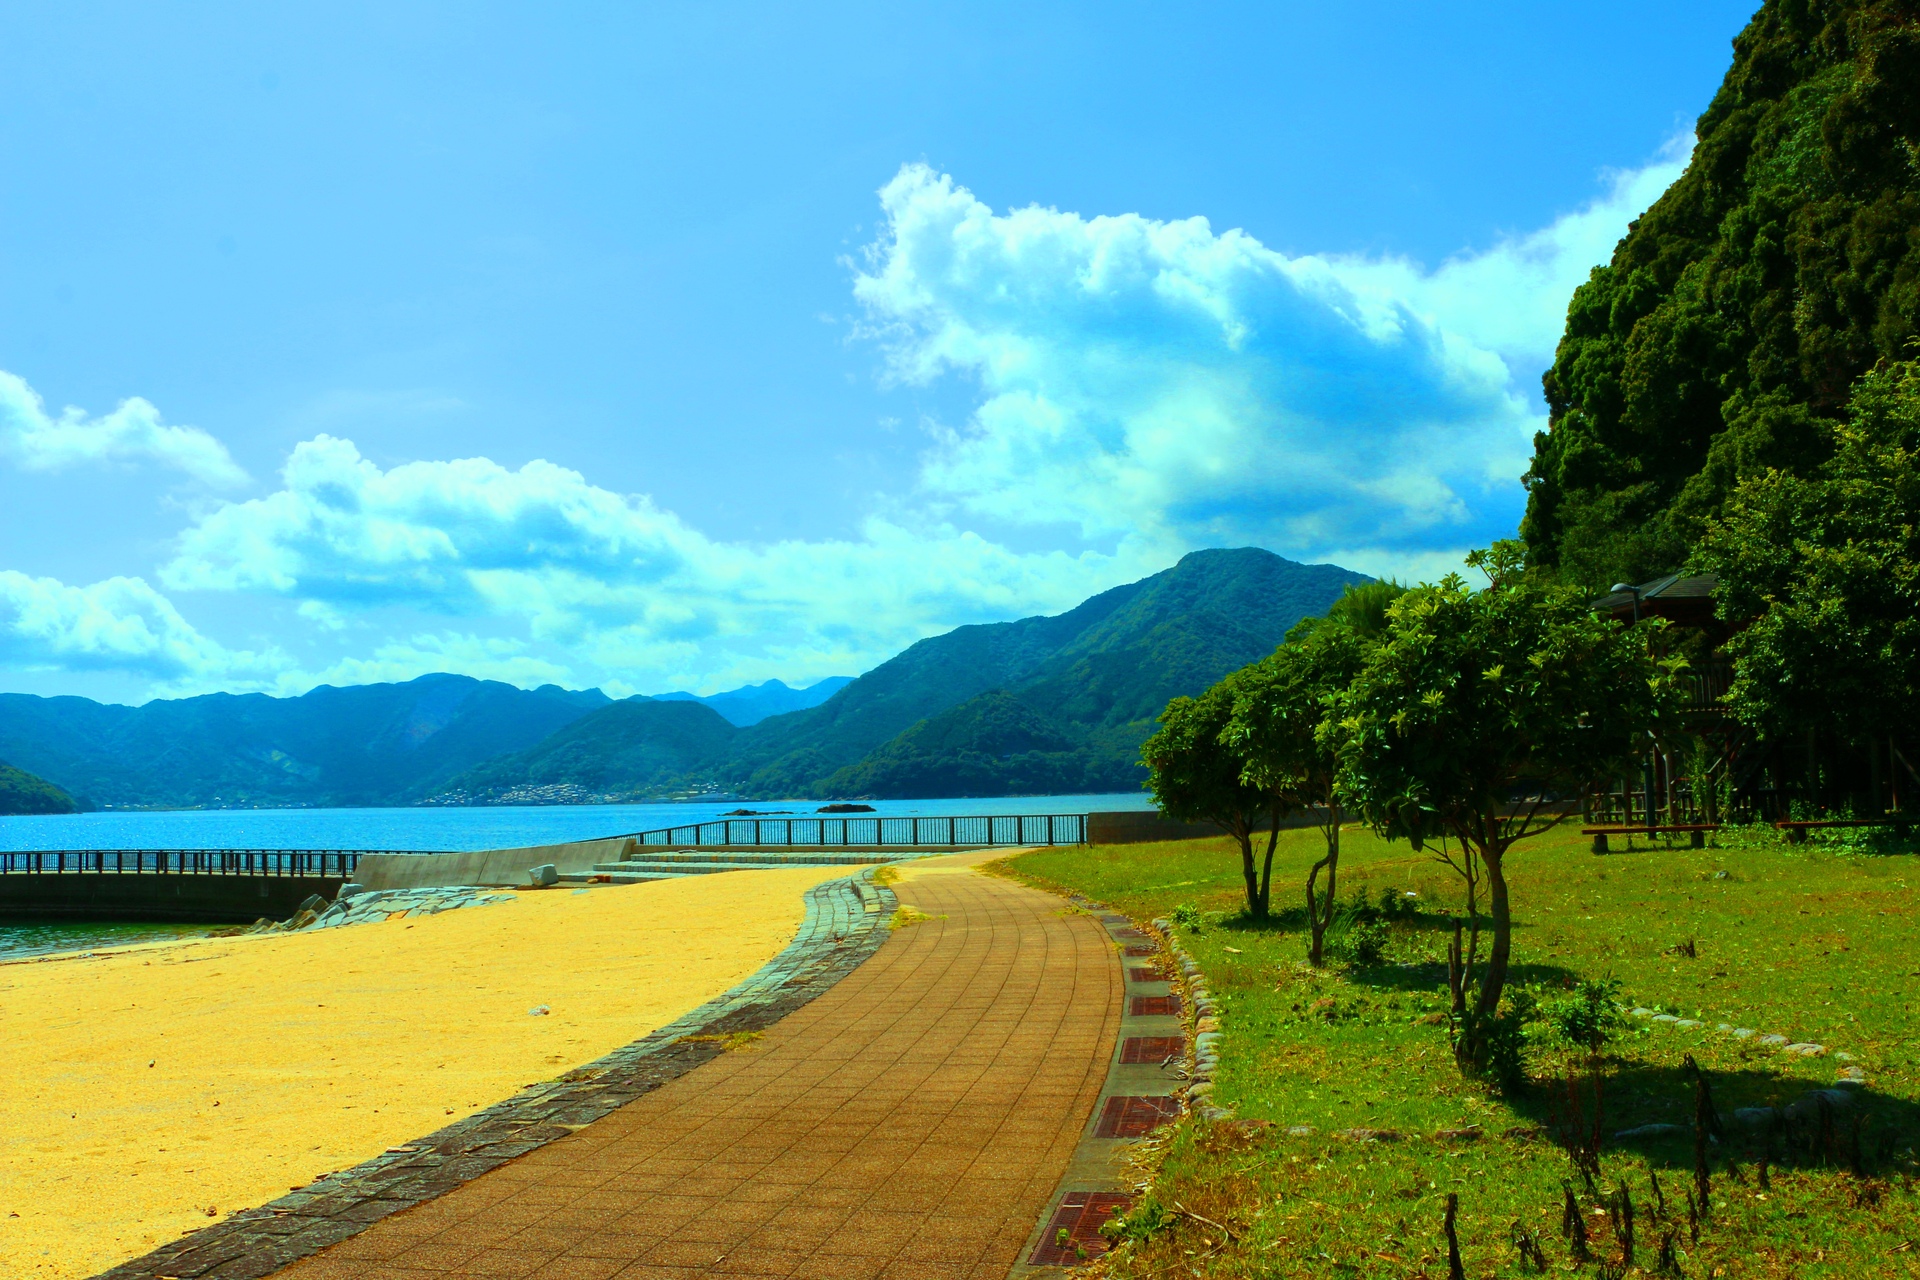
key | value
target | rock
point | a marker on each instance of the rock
(1686, 1022)
(1808, 1104)
(1470, 1133)
(1851, 1075)
(1666, 1017)
(544, 876)
(1841, 1055)
(312, 902)
(1368, 1135)
(1773, 1039)
(539, 1011)
(1652, 1131)
(348, 891)
(1756, 1117)
(1743, 1033)
(1300, 1131)
(1641, 1012)
(1805, 1049)
(1723, 875)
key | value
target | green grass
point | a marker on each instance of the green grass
(1812, 942)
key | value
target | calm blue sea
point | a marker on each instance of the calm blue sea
(421, 829)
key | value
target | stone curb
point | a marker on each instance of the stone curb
(1848, 1074)
(1091, 1189)
(845, 923)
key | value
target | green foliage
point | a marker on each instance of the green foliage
(1587, 1016)
(1475, 710)
(1360, 940)
(1496, 1044)
(1474, 700)
(1828, 565)
(1189, 917)
(1722, 337)
(23, 793)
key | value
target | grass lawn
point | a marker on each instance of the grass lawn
(1813, 943)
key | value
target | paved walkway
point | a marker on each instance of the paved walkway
(911, 1122)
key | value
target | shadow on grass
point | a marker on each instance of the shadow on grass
(1790, 1121)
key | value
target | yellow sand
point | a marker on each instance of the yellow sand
(146, 1088)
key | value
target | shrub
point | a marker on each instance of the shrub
(1188, 917)
(1495, 1046)
(1361, 941)
(1588, 1015)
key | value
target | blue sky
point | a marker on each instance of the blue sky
(656, 347)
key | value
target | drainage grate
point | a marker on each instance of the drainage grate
(1125, 1117)
(1150, 1050)
(1155, 1006)
(1081, 1215)
(1145, 975)
(1136, 951)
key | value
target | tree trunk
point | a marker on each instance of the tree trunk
(1266, 870)
(1256, 905)
(1496, 979)
(1320, 910)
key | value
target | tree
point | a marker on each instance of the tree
(1476, 714)
(1828, 569)
(1195, 776)
(1279, 707)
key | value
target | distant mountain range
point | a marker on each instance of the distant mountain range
(1047, 704)
(750, 704)
(22, 793)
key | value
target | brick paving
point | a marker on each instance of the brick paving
(913, 1121)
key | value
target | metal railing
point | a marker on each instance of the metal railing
(304, 863)
(972, 831)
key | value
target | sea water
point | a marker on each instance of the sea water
(423, 829)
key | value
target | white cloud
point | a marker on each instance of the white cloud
(120, 624)
(1158, 379)
(133, 431)
(626, 586)
(1146, 388)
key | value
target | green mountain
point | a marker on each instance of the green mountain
(627, 750)
(1095, 677)
(22, 793)
(1725, 333)
(365, 745)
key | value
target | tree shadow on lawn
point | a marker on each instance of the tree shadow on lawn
(1404, 976)
(1793, 1120)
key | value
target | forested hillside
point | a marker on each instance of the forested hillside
(22, 793)
(1726, 333)
(368, 744)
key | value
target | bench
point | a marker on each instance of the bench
(1797, 829)
(1696, 830)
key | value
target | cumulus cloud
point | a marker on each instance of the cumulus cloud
(628, 587)
(1145, 388)
(1159, 380)
(134, 431)
(120, 624)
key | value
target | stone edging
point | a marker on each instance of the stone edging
(845, 923)
(1800, 1048)
(1093, 1189)
(1206, 1027)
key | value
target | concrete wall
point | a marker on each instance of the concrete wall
(490, 866)
(1137, 827)
(146, 898)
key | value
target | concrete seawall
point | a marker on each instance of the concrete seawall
(487, 866)
(146, 898)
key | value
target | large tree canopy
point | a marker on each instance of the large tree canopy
(1828, 568)
(1478, 710)
(1723, 336)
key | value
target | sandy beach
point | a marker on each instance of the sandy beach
(158, 1088)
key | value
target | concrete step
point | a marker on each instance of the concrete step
(666, 871)
(800, 857)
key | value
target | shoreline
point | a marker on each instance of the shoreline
(154, 1092)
